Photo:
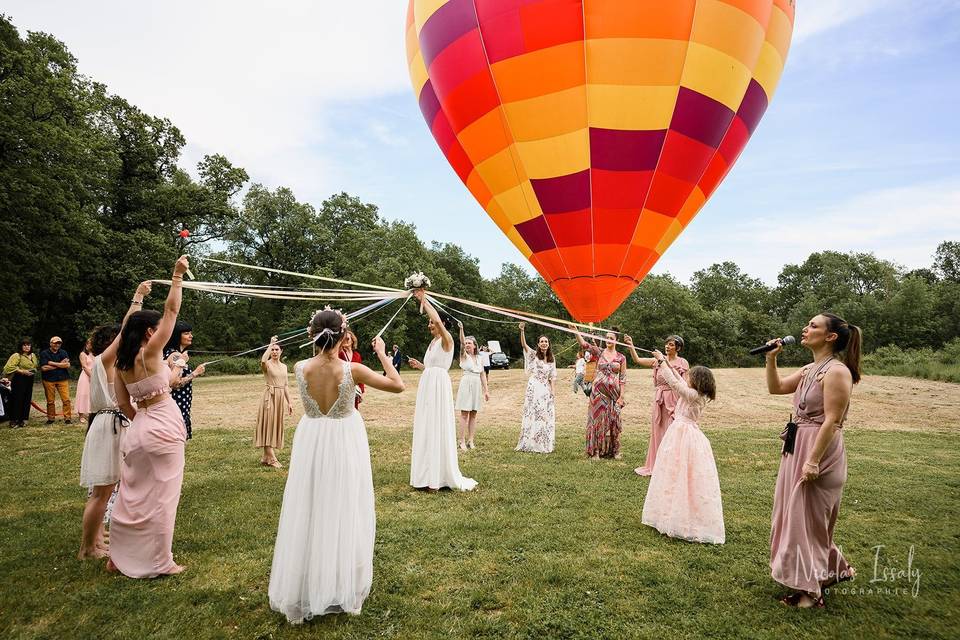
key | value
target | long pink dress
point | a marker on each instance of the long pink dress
(683, 500)
(664, 408)
(802, 552)
(151, 474)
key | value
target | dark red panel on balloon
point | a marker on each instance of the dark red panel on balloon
(700, 117)
(536, 234)
(446, 25)
(621, 150)
(563, 193)
(429, 104)
(753, 106)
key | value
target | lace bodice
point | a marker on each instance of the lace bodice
(436, 356)
(343, 406)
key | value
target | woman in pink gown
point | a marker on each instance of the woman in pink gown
(151, 474)
(683, 499)
(664, 399)
(82, 399)
(813, 463)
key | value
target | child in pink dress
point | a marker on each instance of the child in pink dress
(683, 500)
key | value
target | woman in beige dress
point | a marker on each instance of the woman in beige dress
(274, 405)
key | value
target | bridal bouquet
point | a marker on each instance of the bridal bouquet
(417, 281)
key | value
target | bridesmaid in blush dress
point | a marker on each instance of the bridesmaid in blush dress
(813, 462)
(664, 399)
(151, 471)
(82, 399)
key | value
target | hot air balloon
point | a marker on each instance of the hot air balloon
(593, 131)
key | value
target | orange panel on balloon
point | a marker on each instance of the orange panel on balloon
(593, 131)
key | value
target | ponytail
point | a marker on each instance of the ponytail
(849, 340)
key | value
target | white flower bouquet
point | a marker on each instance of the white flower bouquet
(416, 281)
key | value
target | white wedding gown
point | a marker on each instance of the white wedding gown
(434, 463)
(323, 559)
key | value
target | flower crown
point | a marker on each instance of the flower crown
(328, 330)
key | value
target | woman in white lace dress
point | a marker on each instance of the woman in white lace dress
(473, 390)
(433, 461)
(683, 499)
(539, 411)
(323, 558)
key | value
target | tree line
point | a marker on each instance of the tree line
(92, 199)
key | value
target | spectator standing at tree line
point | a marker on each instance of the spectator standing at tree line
(22, 369)
(55, 371)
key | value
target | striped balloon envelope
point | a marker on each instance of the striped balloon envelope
(593, 131)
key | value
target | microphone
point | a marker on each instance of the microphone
(773, 345)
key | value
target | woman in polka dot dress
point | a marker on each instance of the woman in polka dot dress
(182, 389)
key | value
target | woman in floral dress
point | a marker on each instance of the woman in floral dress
(539, 412)
(606, 400)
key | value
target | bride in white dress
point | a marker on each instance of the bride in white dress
(433, 463)
(323, 559)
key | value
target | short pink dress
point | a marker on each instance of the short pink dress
(683, 499)
(151, 475)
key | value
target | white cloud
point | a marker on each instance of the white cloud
(816, 16)
(903, 224)
(250, 79)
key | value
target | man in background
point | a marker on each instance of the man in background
(55, 373)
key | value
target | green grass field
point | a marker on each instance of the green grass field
(546, 547)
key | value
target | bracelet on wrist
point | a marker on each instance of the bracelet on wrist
(136, 302)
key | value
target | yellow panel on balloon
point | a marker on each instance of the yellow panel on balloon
(769, 69)
(547, 116)
(715, 75)
(557, 156)
(520, 203)
(631, 107)
(636, 61)
(779, 32)
(501, 171)
(669, 235)
(728, 29)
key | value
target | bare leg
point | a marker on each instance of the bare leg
(462, 428)
(91, 544)
(471, 428)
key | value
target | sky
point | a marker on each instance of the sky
(862, 138)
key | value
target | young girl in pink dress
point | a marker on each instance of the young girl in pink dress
(683, 500)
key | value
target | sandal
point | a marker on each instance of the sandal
(793, 600)
(851, 574)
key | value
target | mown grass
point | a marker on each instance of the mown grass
(547, 547)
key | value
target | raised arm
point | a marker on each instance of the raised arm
(672, 378)
(775, 384)
(580, 341)
(266, 354)
(391, 381)
(446, 340)
(463, 339)
(523, 337)
(86, 363)
(171, 309)
(109, 355)
(643, 362)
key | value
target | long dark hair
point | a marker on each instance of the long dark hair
(548, 356)
(848, 340)
(326, 329)
(179, 329)
(132, 334)
(25, 341)
(102, 336)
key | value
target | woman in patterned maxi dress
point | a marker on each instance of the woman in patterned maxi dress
(539, 412)
(606, 401)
